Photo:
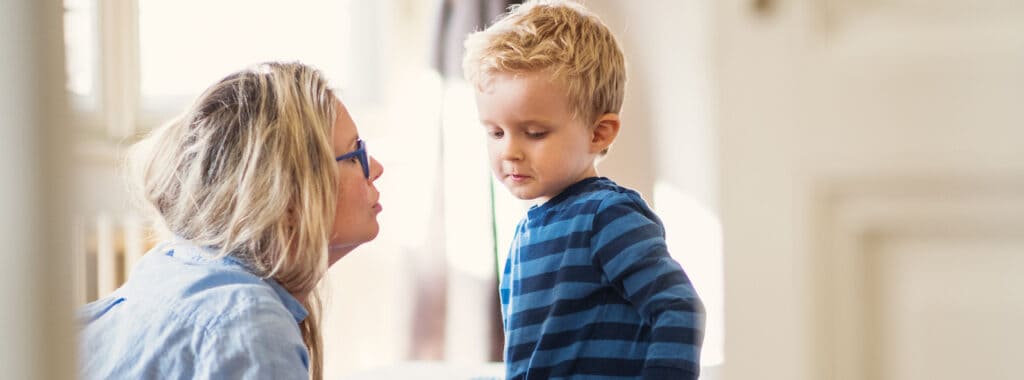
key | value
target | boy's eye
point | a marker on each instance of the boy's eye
(496, 133)
(536, 134)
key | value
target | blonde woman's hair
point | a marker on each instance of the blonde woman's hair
(249, 171)
(561, 38)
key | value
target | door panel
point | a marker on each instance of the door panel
(946, 307)
(872, 187)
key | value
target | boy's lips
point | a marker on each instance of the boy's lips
(517, 177)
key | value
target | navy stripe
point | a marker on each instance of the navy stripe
(660, 283)
(544, 281)
(609, 215)
(593, 331)
(604, 296)
(555, 246)
(677, 335)
(590, 366)
(606, 253)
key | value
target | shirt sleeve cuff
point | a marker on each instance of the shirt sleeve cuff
(668, 373)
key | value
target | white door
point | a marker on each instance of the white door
(872, 188)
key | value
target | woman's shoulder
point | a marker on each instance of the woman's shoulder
(177, 307)
(186, 282)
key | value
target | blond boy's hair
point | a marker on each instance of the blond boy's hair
(561, 38)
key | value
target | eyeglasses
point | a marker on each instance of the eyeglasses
(360, 152)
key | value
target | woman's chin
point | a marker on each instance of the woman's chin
(338, 249)
(335, 253)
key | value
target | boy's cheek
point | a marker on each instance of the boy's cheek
(492, 151)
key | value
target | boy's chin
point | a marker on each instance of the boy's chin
(532, 197)
(523, 195)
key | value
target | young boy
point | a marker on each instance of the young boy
(589, 289)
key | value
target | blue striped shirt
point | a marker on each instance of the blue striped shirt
(589, 291)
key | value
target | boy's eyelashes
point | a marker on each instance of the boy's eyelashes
(531, 134)
(495, 133)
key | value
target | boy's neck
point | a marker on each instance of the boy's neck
(591, 172)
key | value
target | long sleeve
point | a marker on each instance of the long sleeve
(629, 247)
(263, 342)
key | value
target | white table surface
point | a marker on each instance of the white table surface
(429, 370)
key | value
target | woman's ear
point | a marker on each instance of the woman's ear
(606, 128)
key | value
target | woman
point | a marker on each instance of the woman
(263, 184)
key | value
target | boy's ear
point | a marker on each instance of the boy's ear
(606, 128)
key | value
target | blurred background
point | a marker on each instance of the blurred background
(843, 180)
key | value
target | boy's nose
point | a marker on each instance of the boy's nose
(511, 151)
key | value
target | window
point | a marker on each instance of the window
(80, 34)
(136, 63)
(186, 45)
(133, 64)
(81, 48)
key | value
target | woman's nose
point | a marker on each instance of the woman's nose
(376, 169)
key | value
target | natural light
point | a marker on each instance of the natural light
(694, 237)
(182, 49)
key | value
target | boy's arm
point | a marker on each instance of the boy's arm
(629, 247)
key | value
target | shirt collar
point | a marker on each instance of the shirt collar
(183, 249)
(290, 302)
(579, 187)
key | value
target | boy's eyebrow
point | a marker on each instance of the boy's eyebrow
(520, 123)
(542, 123)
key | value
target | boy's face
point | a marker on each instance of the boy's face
(536, 147)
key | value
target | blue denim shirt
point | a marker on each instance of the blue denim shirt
(182, 315)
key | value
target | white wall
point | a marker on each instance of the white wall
(666, 133)
(666, 148)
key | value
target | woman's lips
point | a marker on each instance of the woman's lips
(377, 207)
